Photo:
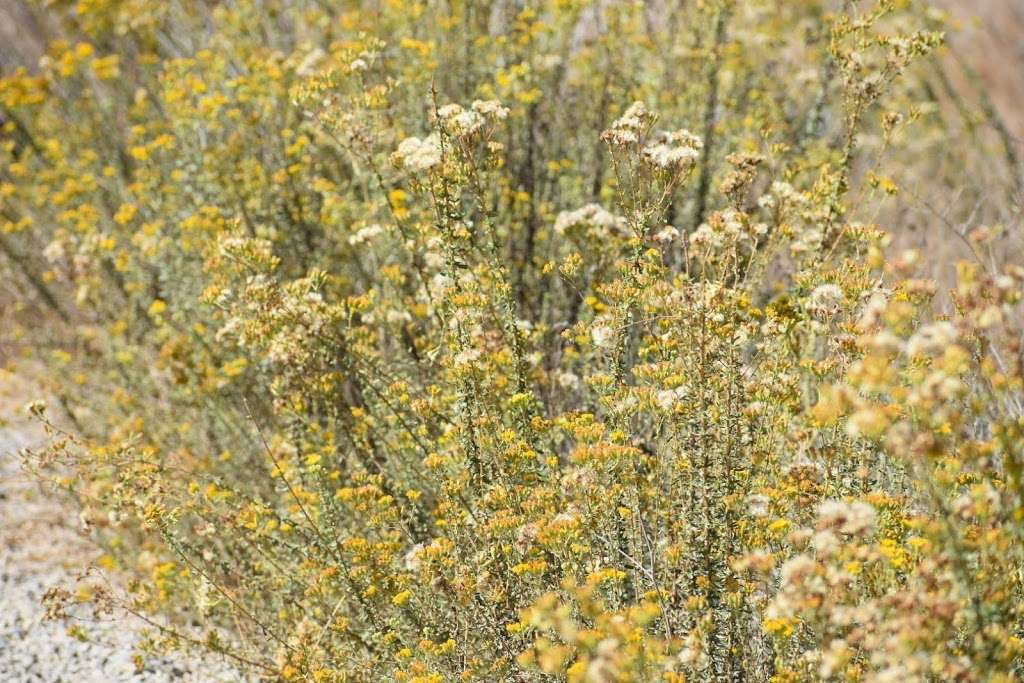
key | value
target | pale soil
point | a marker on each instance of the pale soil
(41, 547)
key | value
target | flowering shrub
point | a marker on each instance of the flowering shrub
(503, 341)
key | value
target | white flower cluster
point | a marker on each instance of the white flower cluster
(781, 193)
(785, 191)
(630, 128)
(463, 122)
(594, 217)
(809, 240)
(666, 235)
(725, 228)
(365, 234)
(567, 380)
(873, 310)
(603, 334)
(801, 580)
(55, 251)
(419, 155)
(492, 109)
(825, 300)
(933, 339)
(853, 519)
(758, 505)
(674, 151)
(668, 398)
(671, 151)
(415, 154)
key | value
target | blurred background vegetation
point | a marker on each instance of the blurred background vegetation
(975, 80)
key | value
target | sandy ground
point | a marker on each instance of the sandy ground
(41, 548)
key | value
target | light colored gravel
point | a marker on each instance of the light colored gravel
(41, 549)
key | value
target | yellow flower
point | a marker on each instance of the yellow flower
(125, 214)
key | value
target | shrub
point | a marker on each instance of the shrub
(423, 342)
